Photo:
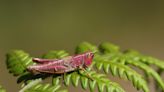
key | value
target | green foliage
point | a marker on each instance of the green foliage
(144, 59)
(148, 70)
(17, 61)
(108, 48)
(55, 54)
(108, 58)
(122, 71)
(2, 89)
(36, 86)
(85, 46)
(133, 57)
(97, 79)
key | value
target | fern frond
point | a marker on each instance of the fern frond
(55, 80)
(135, 58)
(148, 70)
(17, 61)
(98, 79)
(122, 71)
(2, 89)
(43, 88)
(145, 59)
(36, 86)
(30, 84)
(108, 58)
(133, 61)
(107, 47)
(85, 46)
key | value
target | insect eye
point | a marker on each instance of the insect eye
(90, 55)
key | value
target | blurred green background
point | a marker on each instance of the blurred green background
(40, 26)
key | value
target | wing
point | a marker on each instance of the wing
(39, 60)
(53, 66)
(53, 70)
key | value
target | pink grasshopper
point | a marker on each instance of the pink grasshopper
(62, 66)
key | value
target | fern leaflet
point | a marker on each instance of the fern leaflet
(17, 61)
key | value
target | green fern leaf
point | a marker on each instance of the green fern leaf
(122, 71)
(17, 61)
(67, 80)
(30, 84)
(148, 70)
(107, 47)
(144, 59)
(85, 46)
(36, 86)
(84, 82)
(92, 85)
(2, 89)
(108, 58)
(135, 58)
(62, 90)
(98, 79)
(75, 79)
(43, 88)
(55, 80)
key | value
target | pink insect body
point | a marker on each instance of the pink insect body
(60, 66)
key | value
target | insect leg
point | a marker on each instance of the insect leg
(64, 76)
(87, 74)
